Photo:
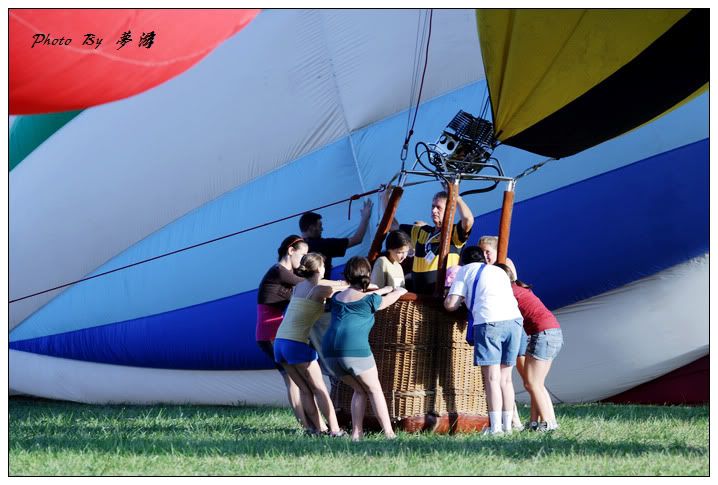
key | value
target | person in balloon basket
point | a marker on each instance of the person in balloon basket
(497, 325)
(489, 245)
(387, 270)
(291, 346)
(545, 340)
(346, 348)
(426, 239)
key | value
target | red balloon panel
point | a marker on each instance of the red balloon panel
(55, 65)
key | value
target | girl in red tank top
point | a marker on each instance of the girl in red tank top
(544, 342)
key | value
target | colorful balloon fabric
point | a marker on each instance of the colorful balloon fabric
(70, 59)
(299, 109)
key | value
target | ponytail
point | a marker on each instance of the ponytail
(357, 272)
(309, 265)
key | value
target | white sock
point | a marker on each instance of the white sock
(495, 421)
(506, 418)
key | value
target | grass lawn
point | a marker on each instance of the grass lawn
(58, 438)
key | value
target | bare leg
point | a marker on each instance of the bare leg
(507, 389)
(536, 371)
(310, 407)
(520, 369)
(358, 407)
(295, 401)
(312, 375)
(370, 381)
(492, 385)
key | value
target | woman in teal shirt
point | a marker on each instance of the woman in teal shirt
(345, 346)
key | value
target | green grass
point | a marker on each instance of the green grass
(57, 438)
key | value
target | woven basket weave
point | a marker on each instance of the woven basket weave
(425, 365)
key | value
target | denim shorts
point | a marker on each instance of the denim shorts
(497, 342)
(545, 345)
(524, 343)
(349, 366)
(292, 352)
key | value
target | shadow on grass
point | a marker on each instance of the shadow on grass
(292, 444)
(188, 430)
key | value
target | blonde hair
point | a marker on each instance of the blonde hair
(492, 241)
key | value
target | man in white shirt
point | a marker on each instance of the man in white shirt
(494, 312)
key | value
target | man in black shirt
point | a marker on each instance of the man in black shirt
(311, 226)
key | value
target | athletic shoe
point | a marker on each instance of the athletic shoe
(543, 427)
(488, 432)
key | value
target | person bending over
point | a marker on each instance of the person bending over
(291, 346)
(346, 346)
(497, 326)
(545, 340)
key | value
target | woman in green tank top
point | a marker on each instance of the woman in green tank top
(346, 344)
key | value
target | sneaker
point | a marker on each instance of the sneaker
(543, 427)
(517, 427)
(338, 434)
(489, 432)
(531, 426)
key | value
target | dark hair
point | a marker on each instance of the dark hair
(357, 272)
(511, 275)
(472, 254)
(309, 265)
(397, 240)
(293, 242)
(308, 219)
(441, 195)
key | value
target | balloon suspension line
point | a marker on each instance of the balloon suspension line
(533, 168)
(187, 248)
(410, 133)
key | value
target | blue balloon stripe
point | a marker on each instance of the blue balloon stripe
(571, 244)
(606, 231)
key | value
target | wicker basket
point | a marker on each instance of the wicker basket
(425, 365)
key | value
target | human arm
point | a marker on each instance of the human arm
(467, 217)
(453, 302)
(336, 285)
(358, 236)
(391, 297)
(288, 277)
(457, 292)
(326, 288)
